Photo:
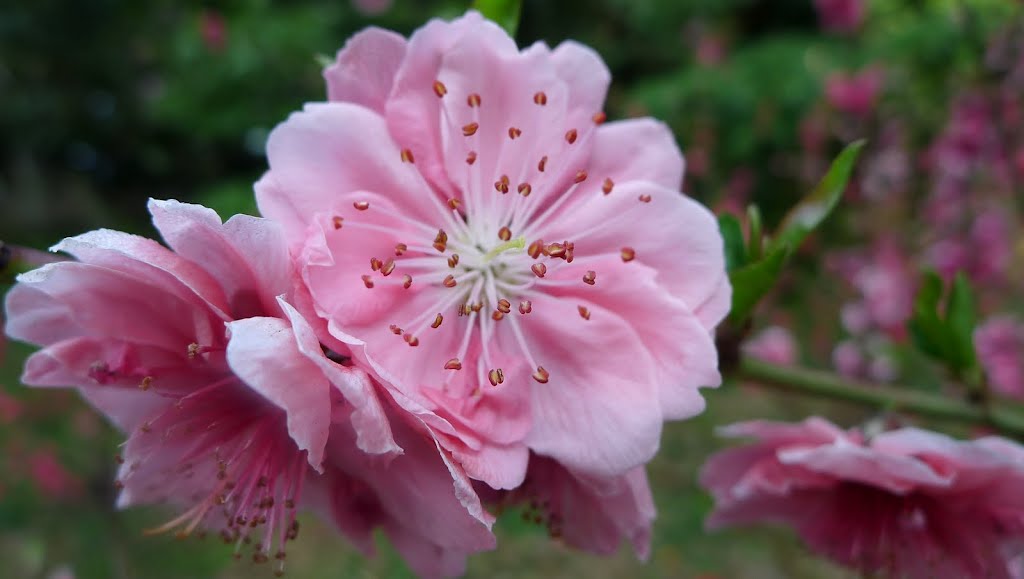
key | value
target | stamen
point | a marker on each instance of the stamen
(607, 186)
(539, 269)
(504, 234)
(453, 364)
(543, 163)
(454, 204)
(581, 176)
(525, 189)
(599, 117)
(387, 268)
(584, 312)
(146, 383)
(497, 315)
(400, 249)
(411, 340)
(473, 100)
(504, 306)
(449, 281)
(406, 281)
(535, 249)
(367, 282)
(361, 205)
(337, 222)
(540, 98)
(395, 330)
(589, 278)
(570, 136)
(554, 250)
(470, 129)
(437, 322)
(439, 89)
(407, 156)
(501, 185)
(375, 264)
(541, 375)
(645, 198)
(514, 133)
(453, 260)
(441, 241)
(471, 157)
(525, 307)
(496, 376)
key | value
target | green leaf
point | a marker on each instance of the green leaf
(752, 281)
(735, 248)
(807, 215)
(755, 248)
(927, 329)
(504, 12)
(961, 317)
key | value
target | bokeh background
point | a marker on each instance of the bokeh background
(104, 103)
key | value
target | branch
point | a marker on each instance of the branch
(828, 385)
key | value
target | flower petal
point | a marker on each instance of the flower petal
(365, 68)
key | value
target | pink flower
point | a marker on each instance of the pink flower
(855, 94)
(372, 7)
(50, 477)
(10, 409)
(227, 394)
(905, 503)
(528, 276)
(840, 15)
(774, 344)
(999, 343)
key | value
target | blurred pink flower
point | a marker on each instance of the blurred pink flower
(773, 344)
(884, 277)
(905, 503)
(1000, 346)
(372, 7)
(840, 15)
(10, 409)
(213, 30)
(50, 477)
(507, 262)
(225, 391)
(848, 359)
(854, 93)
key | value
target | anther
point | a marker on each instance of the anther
(453, 364)
(407, 156)
(337, 222)
(400, 249)
(367, 282)
(437, 322)
(477, 306)
(645, 198)
(361, 205)
(471, 157)
(395, 330)
(501, 185)
(504, 306)
(581, 176)
(543, 163)
(454, 204)
(541, 375)
(441, 241)
(453, 260)
(504, 234)
(525, 307)
(497, 316)
(439, 89)
(496, 376)
(449, 281)
(406, 281)
(535, 249)
(570, 136)
(540, 98)
(473, 100)
(514, 133)
(599, 117)
(607, 186)
(146, 383)
(628, 254)
(584, 312)
(525, 189)
(470, 129)
(375, 264)
(411, 340)
(539, 269)
(388, 267)
(554, 250)
(590, 277)
(570, 247)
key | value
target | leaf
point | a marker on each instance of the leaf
(735, 248)
(807, 215)
(752, 281)
(961, 317)
(504, 12)
(926, 328)
(755, 248)
(947, 336)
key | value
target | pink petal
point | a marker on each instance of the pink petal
(586, 75)
(636, 150)
(365, 68)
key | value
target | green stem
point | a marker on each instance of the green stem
(828, 385)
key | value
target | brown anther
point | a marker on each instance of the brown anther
(540, 98)
(570, 248)
(539, 269)
(407, 156)
(387, 268)
(367, 281)
(628, 254)
(439, 89)
(401, 248)
(504, 234)
(599, 117)
(437, 322)
(570, 136)
(607, 186)
(406, 281)
(501, 185)
(584, 312)
(543, 163)
(541, 375)
(449, 281)
(361, 205)
(554, 250)
(525, 307)
(453, 364)
(411, 340)
(337, 222)
(497, 316)
(193, 350)
(454, 204)
(496, 376)
(473, 100)
(118, 459)
(525, 189)
(471, 157)
(470, 129)
(590, 277)
(504, 306)
(375, 264)
(514, 133)
(146, 383)
(477, 306)
(535, 249)
(453, 260)
(645, 198)
(580, 177)
(441, 241)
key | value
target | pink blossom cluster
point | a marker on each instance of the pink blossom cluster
(468, 291)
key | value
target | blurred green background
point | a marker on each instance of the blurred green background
(108, 102)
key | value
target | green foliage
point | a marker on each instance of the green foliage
(753, 281)
(504, 12)
(735, 247)
(945, 333)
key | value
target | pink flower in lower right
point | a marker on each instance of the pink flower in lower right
(903, 503)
